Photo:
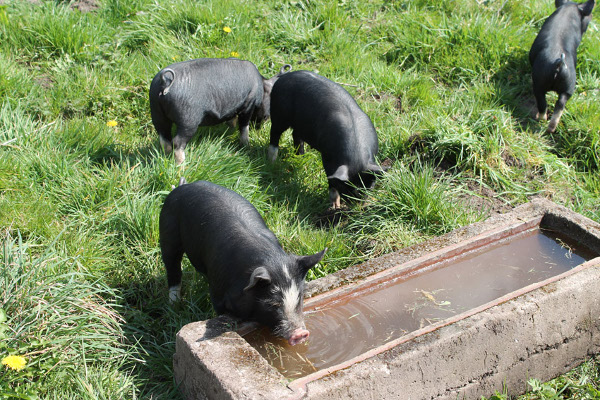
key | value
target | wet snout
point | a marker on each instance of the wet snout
(298, 336)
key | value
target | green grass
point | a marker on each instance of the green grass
(445, 82)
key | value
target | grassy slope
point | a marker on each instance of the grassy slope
(446, 84)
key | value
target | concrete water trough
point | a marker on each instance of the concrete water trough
(480, 309)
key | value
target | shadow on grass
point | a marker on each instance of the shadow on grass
(151, 323)
(512, 85)
(115, 153)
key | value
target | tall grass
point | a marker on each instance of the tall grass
(446, 84)
(59, 318)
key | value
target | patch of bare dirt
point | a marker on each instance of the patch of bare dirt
(85, 5)
(386, 96)
(44, 81)
(483, 199)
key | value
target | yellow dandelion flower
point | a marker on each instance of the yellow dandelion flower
(235, 54)
(14, 362)
(226, 29)
(111, 123)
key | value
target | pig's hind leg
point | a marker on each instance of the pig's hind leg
(172, 254)
(558, 110)
(244, 125)
(298, 143)
(277, 129)
(184, 134)
(541, 104)
(163, 127)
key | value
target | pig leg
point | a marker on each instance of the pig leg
(540, 99)
(172, 256)
(558, 110)
(276, 130)
(298, 144)
(232, 122)
(244, 123)
(334, 198)
(164, 135)
(184, 134)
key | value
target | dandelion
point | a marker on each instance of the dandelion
(111, 123)
(226, 29)
(235, 54)
(14, 362)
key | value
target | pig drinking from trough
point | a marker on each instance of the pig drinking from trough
(553, 55)
(207, 91)
(324, 115)
(249, 274)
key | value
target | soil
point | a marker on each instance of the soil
(483, 199)
(85, 5)
(385, 96)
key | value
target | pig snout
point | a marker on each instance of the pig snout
(298, 336)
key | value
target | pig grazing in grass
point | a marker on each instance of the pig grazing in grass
(207, 91)
(553, 56)
(249, 274)
(324, 115)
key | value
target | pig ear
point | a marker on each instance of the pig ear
(587, 7)
(558, 3)
(259, 275)
(341, 173)
(307, 262)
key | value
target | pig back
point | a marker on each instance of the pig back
(216, 89)
(220, 231)
(324, 115)
(560, 33)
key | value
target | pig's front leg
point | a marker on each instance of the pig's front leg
(334, 198)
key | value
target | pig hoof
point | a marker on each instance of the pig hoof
(174, 294)
(179, 157)
(273, 152)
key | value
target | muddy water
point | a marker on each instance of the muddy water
(355, 324)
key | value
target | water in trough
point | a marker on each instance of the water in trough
(354, 324)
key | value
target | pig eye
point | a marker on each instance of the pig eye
(271, 303)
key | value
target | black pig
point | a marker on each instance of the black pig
(324, 115)
(249, 274)
(553, 56)
(207, 91)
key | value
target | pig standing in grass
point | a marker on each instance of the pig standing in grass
(225, 238)
(553, 55)
(207, 91)
(324, 115)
